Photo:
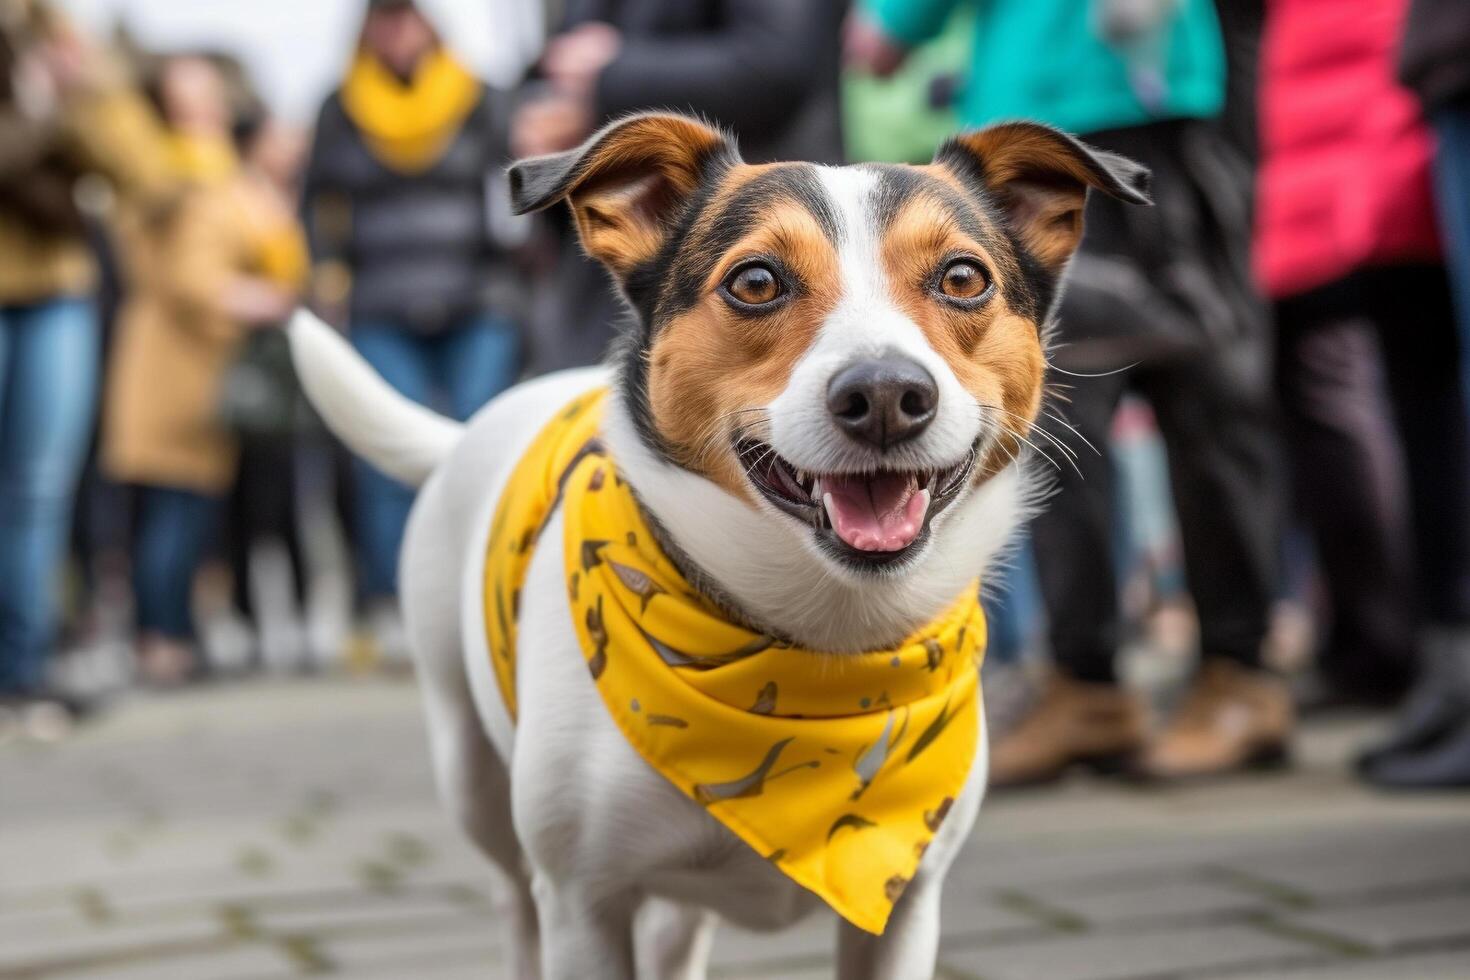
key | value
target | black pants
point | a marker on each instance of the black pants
(263, 505)
(1214, 415)
(1372, 392)
(1165, 292)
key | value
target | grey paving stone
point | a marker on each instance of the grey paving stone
(150, 809)
(367, 913)
(226, 884)
(253, 961)
(118, 937)
(974, 914)
(808, 942)
(1391, 925)
(432, 970)
(1168, 899)
(60, 921)
(1132, 955)
(402, 952)
(1384, 859)
(775, 973)
(1427, 966)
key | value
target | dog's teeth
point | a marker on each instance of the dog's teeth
(817, 488)
(827, 509)
(926, 497)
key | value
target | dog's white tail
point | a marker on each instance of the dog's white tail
(398, 436)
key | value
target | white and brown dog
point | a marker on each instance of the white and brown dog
(820, 399)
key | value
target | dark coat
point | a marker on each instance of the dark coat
(418, 246)
(1434, 60)
(768, 69)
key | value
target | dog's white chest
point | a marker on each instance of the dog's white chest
(584, 799)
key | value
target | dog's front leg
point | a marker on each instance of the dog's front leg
(674, 940)
(908, 948)
(581, 935)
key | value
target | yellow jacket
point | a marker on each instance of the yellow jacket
(174, 341)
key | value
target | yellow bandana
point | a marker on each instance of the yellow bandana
(409, 127)
(839, 768)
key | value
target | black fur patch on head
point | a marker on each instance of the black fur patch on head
(977, 215)
(897, 184)
(674, 279)
(686, 265)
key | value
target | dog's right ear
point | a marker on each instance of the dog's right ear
(624, 184)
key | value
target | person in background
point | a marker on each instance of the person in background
(1434, 64)
(1158, 300)
(262, 404)
(1347, 247)
(1399, 305)
(224, 259)
(67, 112)
(396, 212)
(766, 68)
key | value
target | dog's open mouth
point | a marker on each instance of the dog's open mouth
(873, 517)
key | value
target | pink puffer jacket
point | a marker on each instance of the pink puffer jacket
(1345, 154)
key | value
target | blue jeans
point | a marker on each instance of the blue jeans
(1012, 607)
(1452, 187)
(456, 371)
(48, 391)
(173, 532)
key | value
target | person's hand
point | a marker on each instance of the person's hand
(257, 303)
(866, 47)
(574, 60)
(549, 125)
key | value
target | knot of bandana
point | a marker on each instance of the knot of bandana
(838, 768)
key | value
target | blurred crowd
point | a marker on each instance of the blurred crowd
(1256, 430)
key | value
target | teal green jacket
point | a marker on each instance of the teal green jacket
(1043, 60)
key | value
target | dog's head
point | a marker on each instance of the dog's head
(849, 351)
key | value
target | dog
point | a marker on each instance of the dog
(820, 404)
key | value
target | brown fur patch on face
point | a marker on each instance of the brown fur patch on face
(994, 350)
(711, 363)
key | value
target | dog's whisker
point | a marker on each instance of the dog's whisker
(1104, 374)
(1052, 438)
(1034, 448)
(1073, 429)
(714, 430)
(1038, 428)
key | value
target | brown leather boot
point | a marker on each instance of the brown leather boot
(1074, 722)
(1232, 718)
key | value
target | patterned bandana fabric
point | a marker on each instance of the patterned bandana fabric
(409, 127)
(838, 768)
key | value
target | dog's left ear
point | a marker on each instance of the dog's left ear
(625, 184)
(1040, 176)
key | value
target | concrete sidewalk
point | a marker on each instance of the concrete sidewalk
(275, 830)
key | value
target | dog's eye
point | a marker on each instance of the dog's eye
(963, 279)
(754, 284)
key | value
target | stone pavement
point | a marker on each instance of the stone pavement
(272, 830)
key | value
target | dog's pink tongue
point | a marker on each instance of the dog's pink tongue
(875, 513)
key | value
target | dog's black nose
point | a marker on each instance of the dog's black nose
(883, 401)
